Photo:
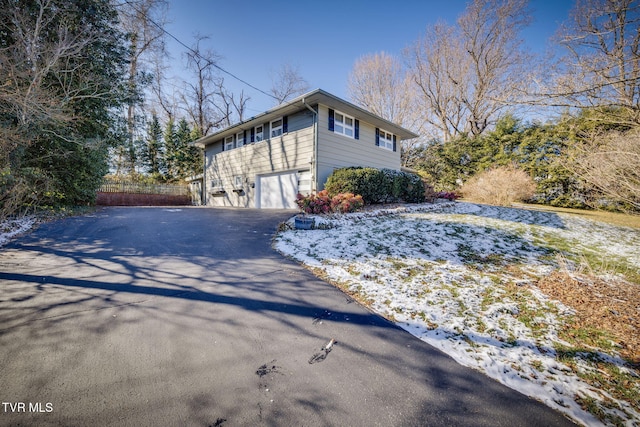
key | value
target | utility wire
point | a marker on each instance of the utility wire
(196, 53)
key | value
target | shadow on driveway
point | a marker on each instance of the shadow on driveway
(152, 316)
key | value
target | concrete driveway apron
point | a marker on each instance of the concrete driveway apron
(158, 316)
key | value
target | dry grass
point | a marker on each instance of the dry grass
(611, 306)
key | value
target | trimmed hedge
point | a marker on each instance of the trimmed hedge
(377, 185)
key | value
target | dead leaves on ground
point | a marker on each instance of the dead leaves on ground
(612, 306)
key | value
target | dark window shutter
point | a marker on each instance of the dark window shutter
(332, 119)
(223, 145)
(245, 136)
(253, 134)
(377, 137)
(394, 143)
(356, 131)
(285, 124)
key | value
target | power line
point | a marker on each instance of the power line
(196, 53)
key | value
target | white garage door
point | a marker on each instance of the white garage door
(279, 191)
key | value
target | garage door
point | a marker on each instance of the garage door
(279, 191)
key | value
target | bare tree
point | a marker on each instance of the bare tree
(468, 73)
(166, 100)
(230, 106)
(379, 83)
(601, 67)
(142, 20)
(438, 69)
(240, 104)
(199, 98)
(288, 83)
(490, 30)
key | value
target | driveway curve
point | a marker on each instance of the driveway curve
(161, 316)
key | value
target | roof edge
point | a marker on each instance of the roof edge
(317, 93)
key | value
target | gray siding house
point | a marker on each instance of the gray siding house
(265, 161)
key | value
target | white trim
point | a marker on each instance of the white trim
(342, 126)
(257, 137)
(276, 131)
(228, 143)
(386, 139)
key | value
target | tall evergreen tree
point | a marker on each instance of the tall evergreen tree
(170, 149)
(189, 158)
(154, 152)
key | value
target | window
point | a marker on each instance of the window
(344, 124)
(240, 139)
(216, 183)
(228, 143)
(237, 181)
(259, 133)
(276, 127)
(386, 140)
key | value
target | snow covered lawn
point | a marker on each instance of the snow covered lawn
(462, 277)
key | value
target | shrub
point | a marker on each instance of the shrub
(499, 186)
(322, 203)
(405, 186)
(370, 183)
(315, 203)
(377, 185)
(346, 202)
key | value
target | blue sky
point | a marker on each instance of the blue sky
(322, 38)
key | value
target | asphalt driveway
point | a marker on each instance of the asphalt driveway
(158, 316)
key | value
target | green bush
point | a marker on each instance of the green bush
(368, 182)
(377, 185)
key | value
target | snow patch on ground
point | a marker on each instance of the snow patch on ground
(452, 274)
(11, 228)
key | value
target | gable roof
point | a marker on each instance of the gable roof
(317, 96)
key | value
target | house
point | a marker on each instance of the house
(265, 161)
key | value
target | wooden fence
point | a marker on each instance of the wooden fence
(142, 188)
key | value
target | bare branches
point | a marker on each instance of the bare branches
(438, 71)
(200, 97)
(40, 47)
(601, 64)
(61, 71)
(379, 83)
(288, 83)
(611, 164)
(142, 20)
(468, 73)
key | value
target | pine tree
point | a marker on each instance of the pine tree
(154, 152)
(189, 158)
(171, 149)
